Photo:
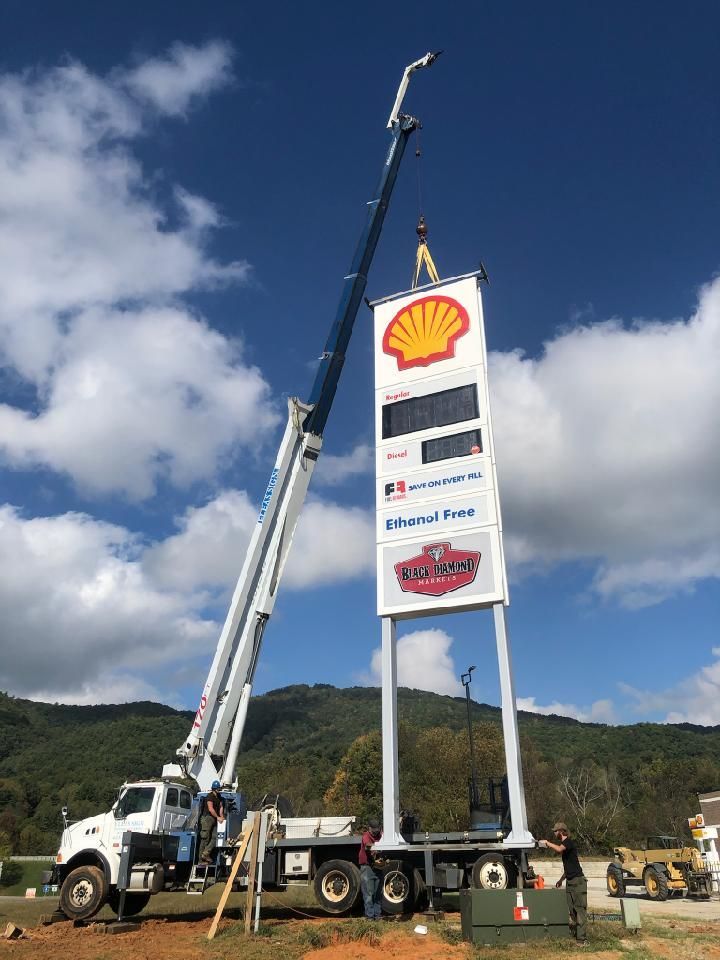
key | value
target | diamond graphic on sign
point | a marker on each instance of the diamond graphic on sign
(437, 570)
(425, 331)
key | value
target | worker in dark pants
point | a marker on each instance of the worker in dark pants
(370, 874)
(213, 812)
(575, 880)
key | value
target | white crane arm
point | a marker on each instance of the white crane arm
(220, 719)
(425, 61)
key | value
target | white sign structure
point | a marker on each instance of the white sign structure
(439, 527)
(438, 515)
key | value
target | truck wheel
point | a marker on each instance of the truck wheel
(134, 902)
(421, 895)
(655, 884)
(492, 872)
(615, 881)
(337, 885)
(398, 888)
(83, 893)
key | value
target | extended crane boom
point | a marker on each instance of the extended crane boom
(210, 751)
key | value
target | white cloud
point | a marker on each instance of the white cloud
(209, 549)
(695, 699)
(423, 663)
(331, 544)
(170, 83)
(157, 394)
(606, 452)
(92, 263)
(79, 614)
(113, 688)
(334, 469)
(601, 711)
(91, 613)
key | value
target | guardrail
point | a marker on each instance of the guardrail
(50, 857)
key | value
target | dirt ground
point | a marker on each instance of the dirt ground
(315, 938)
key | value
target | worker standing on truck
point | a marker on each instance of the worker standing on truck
(213, 813)
(370, 875)
(575, 880)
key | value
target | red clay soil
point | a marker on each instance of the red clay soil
(396, 946)
(673, 950)
(186, 940)
(155, 939)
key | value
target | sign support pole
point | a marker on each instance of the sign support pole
(391, 784)
(519, 833)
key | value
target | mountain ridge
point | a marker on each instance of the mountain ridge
(295, 739)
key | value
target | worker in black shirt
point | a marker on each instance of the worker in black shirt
(575, 881)
(213, 813)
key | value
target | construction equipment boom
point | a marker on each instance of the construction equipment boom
(210, 750)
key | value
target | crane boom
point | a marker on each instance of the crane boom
(210, 750)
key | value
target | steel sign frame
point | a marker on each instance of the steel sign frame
(439, 524)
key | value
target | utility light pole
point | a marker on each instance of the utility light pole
(466, 680)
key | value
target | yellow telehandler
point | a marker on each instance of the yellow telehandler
(663, 865)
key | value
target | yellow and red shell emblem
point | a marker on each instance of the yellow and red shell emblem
(425, 331)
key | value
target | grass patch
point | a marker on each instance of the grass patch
(31, 872)
(293, 940)
(450, 933)
(602, 938)
(317, 935)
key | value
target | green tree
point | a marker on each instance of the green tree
(12, 872)
(434, 774)
(357, 785)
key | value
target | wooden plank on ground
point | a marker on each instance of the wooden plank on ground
(231, 879)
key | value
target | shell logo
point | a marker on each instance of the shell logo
(425, 331)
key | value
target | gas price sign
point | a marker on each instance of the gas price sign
(439, 542)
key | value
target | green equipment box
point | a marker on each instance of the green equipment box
(512, 916)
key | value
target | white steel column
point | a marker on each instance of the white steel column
(391, 785)
(519, 833)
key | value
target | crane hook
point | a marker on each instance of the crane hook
(423, 255)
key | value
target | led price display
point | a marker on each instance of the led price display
(456, 445)
(432, 410)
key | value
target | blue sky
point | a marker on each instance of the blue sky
(181, 191)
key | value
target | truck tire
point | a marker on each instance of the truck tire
(421, 894)
(492, 872)
(398, 891)
(655, 884)
(83, 893)
(337, 886)
(134, 902)
(615, 881)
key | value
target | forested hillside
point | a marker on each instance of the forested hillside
(312, 744)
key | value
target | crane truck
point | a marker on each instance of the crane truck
(149, 840)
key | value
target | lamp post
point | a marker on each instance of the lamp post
(466, 680)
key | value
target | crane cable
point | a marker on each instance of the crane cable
(423, 256)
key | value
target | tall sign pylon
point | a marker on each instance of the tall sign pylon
(438, 519)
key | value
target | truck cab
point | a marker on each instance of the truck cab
(151, 806)
(88, 860)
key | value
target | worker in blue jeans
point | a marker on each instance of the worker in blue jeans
(370, 874)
